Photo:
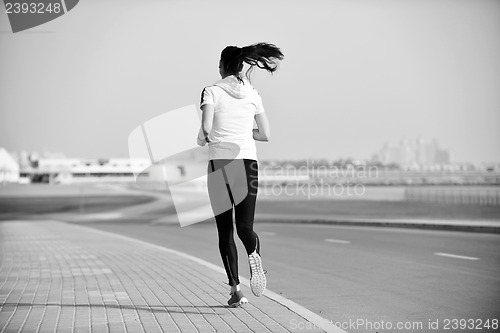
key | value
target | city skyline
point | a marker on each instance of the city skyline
(419, 151)
(370, 157)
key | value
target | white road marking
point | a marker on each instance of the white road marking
(268, 233)
(455, 256)
(339, 241)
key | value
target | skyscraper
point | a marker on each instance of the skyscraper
(419, 152)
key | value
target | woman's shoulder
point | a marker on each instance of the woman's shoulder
(212, 88)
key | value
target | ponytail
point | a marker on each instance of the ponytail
(263, 55)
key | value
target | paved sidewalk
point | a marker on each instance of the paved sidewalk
(58, 277)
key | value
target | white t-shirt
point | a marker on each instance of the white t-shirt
(235, 106)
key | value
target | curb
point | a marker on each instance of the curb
(481, 228)
(310, 316)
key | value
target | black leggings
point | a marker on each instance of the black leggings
(232, 184)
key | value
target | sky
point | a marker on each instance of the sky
(356, 74)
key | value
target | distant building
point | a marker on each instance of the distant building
(70, 170)
(9, 168)
(390, 153)
(413, 153)
(67, 170)
(442, 157)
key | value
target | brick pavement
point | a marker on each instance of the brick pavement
(59, 277)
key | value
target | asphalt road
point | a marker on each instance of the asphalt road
(364, 275)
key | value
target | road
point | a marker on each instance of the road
(380, 276)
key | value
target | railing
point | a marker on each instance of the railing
(473, 195)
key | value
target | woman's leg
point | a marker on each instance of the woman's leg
(245, 210)
(227, 247)
(244, 214)
(222, 207)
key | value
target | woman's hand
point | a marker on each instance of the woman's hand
(201, 140)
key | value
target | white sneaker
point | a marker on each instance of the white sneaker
(257, 274)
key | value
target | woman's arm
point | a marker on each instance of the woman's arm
(200, 140)
(207, 119)
(263, 132)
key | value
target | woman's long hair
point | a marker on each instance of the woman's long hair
(263, 55)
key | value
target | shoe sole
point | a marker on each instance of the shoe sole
(258, 278)
(238, 304)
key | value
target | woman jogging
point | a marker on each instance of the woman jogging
(229, 108)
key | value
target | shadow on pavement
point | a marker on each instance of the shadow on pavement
(153, 308)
